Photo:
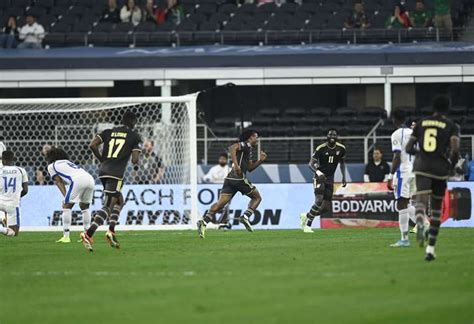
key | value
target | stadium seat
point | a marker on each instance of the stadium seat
(61, 27)
(119, 38)
(206, 9)
(54, 39)
(227, 8)
(247, 8)
(75, 38)
(209, 26)
(47, 4)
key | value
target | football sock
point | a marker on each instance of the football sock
(420, 212)
(312, 214)
(435, 220)
(86, 218)
(67, 217)
(208, 217)
(430, 249)
(403, 223)
(411, 213)
(99, 219)
(249, 212)
(114, 217)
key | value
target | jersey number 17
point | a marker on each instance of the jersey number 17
(115, 146)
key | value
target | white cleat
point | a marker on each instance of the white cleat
(307, 229)
(303, 220)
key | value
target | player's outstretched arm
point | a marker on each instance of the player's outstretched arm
(94, 146)
(252, 166)
(233, 155)
(24, 189)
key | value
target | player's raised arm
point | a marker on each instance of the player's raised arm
(253, 165)
(233, 155)
(94, 146)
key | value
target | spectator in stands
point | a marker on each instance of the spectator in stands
(219, 172)
(151, 12)
(9, 36)
(151, 168)
(131, 13)
(31, 34)
(359, 18)
(420, 18)
(442, 18)
(173, 13)
(399, 19)
(111, 12)
(376, 170)
(460, 170)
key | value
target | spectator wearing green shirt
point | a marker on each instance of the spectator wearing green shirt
(442, 18)
(420, 18)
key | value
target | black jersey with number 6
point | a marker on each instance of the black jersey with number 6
(119, 143)
(329, 157)
(433, 135)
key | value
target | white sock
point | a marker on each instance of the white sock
(86, 218)
(412, 213)
(430, 249)
(3, 230)
(403, 223)
(67, 218)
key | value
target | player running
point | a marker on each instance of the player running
(119, 144)
(438, 139)
(324, 163)
(76, 186)
(13, 186)
(403, 184)
(236, 181)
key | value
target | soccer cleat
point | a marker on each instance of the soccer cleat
(303, 220)
(245, 220)
(64, 239)
(112, 239)
(10, 232)
(420, 233)
(413, 230)
(87, 241)
(307, 229)
(401, 243)
(201, 228)
(430, 257)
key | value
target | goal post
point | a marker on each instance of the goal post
(161, 193)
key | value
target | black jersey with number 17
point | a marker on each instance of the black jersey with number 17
(119, 143)
(433, 135)
(329, 157)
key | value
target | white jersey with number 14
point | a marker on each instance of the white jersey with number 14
(11, 185)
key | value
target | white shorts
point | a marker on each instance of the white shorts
(80, 190)
(404, 186)
(12, 214)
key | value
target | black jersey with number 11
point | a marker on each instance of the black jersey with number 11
(119, 143)
(433, 135)
(329, 157)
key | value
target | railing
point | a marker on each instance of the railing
(299, 149)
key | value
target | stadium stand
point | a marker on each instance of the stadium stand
(211, 22)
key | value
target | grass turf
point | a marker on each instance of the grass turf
(331, 276)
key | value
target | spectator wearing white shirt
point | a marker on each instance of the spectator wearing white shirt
(31, 34)
(131, 13)
(219, 172)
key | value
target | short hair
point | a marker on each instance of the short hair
(56, 154)
(129, 118)
(332, 129)
(377, 148)
(8, 155)
(246, 134)
(441, 104)
(224, 155)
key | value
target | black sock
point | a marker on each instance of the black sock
(249, 212)
(208, 217)
(114, 217)
(434, 227)
(99, 219)
(312, 214)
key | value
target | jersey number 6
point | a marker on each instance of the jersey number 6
(429, 142)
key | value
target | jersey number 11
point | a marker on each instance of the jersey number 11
(115, 146)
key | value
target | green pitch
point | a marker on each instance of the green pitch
(331, 276)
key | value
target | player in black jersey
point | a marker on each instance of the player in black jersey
(324, 163)
(435, 141)
(236, 181)
(119, 143)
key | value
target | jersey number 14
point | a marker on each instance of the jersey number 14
(9, 183)
(115, 146)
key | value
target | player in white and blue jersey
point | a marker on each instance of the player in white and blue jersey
(401, 178)
(13, 186)
(75, 184)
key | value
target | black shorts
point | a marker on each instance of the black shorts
(427, 185)
(231, 187)
(112, 186)
(326, 189)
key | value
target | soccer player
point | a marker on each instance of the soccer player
(403, 184)
(436, 155)
(13, 186)
(324, 163)
(236, 181)
(76, 186)
(119, 144)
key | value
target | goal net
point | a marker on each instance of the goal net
(161, 192)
